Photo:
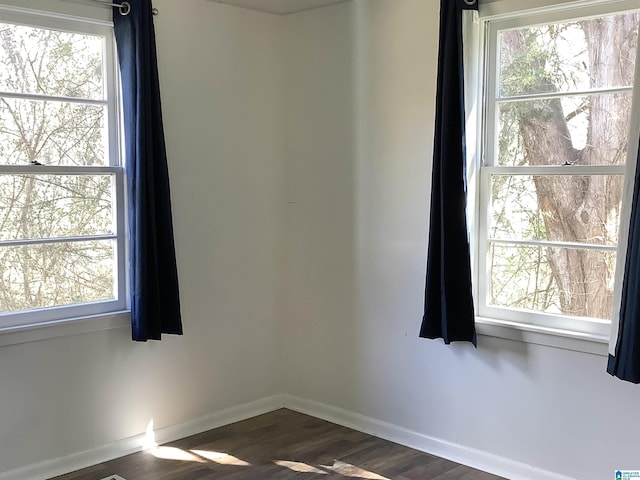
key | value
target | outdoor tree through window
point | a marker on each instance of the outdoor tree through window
(61, 193)
(557, 134)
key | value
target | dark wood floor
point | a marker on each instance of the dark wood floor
(281, 445)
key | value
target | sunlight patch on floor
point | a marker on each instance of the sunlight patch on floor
(150, 445)
(221, 458)
(348, 470)
(172, 453)
(204, 456)
(299, 467)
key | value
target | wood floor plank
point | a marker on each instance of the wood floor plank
(281, 445)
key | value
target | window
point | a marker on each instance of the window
(62, 226)
(558, 96)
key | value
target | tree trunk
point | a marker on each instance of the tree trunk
(579, 208)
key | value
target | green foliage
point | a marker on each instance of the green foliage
(526, 69)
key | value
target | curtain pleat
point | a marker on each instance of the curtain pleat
(625, 362)
(448, 309)
(155, 299)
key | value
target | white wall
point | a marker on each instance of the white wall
(359, 125)
(221, 75)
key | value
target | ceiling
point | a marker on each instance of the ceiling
(280, 7)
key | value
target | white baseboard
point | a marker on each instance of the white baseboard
(471, 457)
(126, 446)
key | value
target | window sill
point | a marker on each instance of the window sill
(551, 337)
(64, 328)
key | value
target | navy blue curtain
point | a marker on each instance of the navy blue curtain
(625, 364)
(155, 300)
(448, 304)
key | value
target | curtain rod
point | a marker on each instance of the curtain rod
(124, 7)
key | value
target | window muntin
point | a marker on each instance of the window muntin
(556, 129)
(54, 206)
(62, 246)
(515, 212)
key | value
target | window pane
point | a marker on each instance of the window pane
(559, 208)
(587, 130)
(552, 280)
(40, 61)
(559, 57)
(41, 276)
(52, 133)
(44, 206)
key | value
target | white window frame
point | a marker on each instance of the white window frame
(95, 315)
(574, 333)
